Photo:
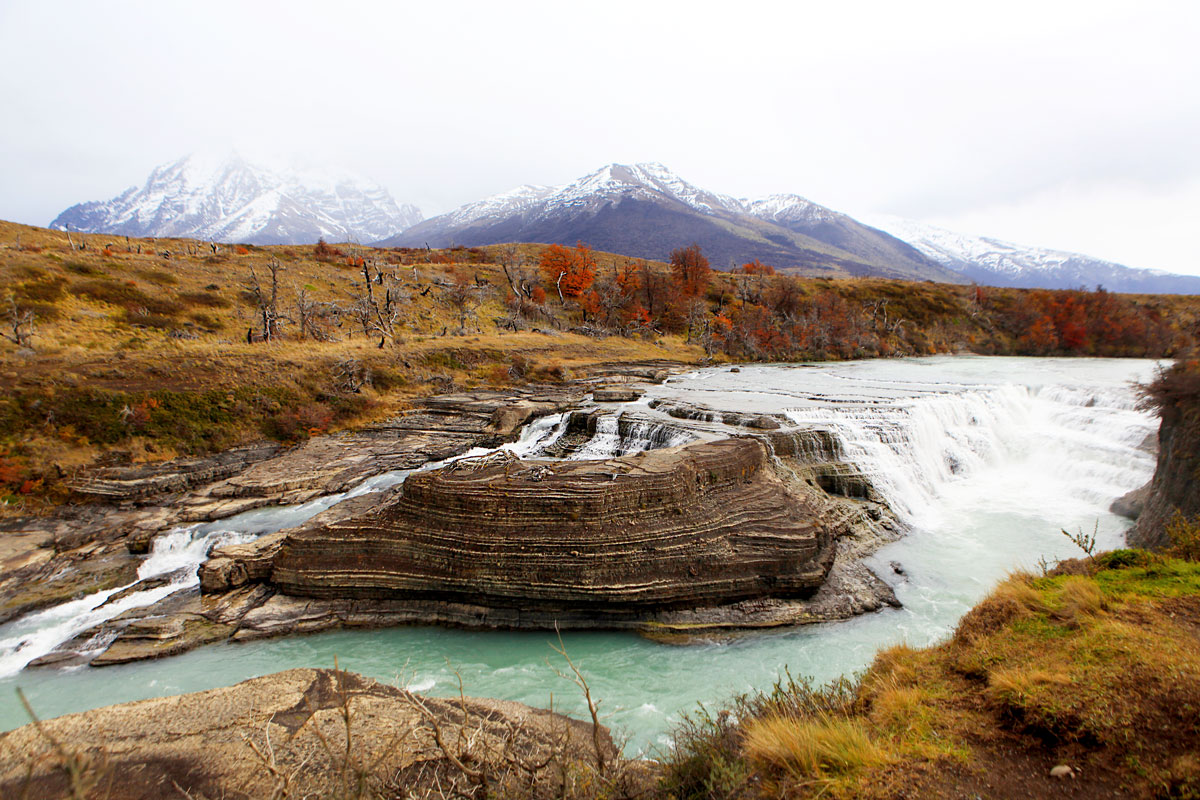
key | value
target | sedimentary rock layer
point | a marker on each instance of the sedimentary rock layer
(701, 525)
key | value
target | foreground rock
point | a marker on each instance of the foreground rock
(286, 735)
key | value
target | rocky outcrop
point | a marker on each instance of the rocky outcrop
(726, 534)
(288, 734)
(145, 481)
(700, 525)
(87, 548)
(681, 410)
(1131, 504)
(615, 394)
(1172, 490)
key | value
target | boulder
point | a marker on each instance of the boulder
(236, 565)
(615, 394)
(1130, 504)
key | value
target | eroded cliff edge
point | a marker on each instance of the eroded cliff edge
(1175, 393)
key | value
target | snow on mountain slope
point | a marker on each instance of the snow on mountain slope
(226, 198)
(643, 181)
(789, 208)
(999, 263)
(645, 210)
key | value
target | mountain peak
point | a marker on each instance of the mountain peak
(222, 196)
(646, 178)
(646, 210)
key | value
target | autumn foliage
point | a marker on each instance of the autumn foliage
(572, 271)
(690, 270)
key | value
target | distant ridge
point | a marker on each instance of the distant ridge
(998, 263)
(645, 210)
(229, 199)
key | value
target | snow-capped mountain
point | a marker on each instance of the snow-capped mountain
(998, 263)
(229, 199)
(645, 210)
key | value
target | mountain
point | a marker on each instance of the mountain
(997, 263)
(229, 199)
(645, 210)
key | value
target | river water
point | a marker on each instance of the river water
(986, 460)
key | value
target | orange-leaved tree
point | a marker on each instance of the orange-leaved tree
(572, 271)
(690, 269)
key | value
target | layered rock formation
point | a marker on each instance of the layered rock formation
(724, 534)
(287, 734)
(91, 547)
(688, 527)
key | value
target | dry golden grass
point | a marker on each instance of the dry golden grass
(171, 321)
(816, 753)
(1101, 672)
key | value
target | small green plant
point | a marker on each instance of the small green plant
(1085, 541)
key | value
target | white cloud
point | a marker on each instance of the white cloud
(934, 110)
(1127, 223)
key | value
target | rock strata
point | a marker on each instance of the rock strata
(700, 525)
(85, 548)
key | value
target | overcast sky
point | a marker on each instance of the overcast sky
(1068, 125)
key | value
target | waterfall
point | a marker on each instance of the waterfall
(1082, 442)
(616, 436)
(645, 435)
(605, 443)
(539, 435)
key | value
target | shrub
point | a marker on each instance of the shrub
(131, 298)
(157, 276)
(1184, 536)
(1124, 558)
(81, 268)
(43, 291)
(300, 422)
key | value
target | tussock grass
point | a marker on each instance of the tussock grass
(812, 752)
(1099, 670)
(1078, 597)
(1014, 598)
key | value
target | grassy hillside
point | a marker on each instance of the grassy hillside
(1093, 669)
(118, 349)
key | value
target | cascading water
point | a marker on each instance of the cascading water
(986, 459)
(913, 449)
(615, 437)
(605, 442)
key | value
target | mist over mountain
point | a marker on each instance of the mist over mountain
(227, 198)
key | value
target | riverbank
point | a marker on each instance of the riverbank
(341, 482)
